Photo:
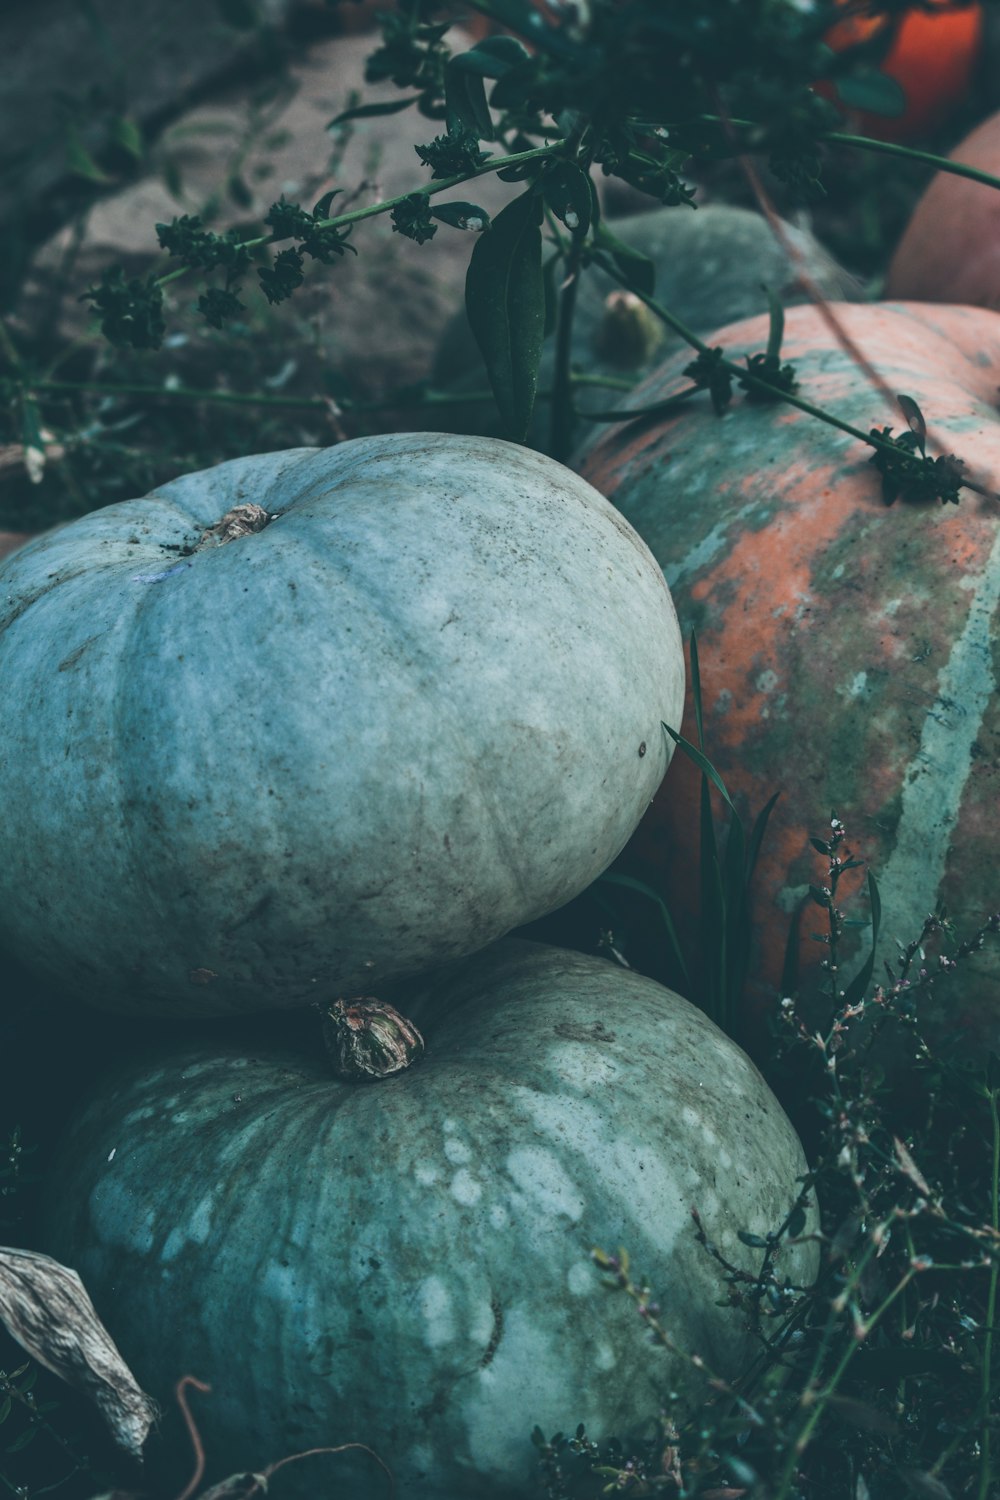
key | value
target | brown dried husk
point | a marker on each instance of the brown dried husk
(45, 1307)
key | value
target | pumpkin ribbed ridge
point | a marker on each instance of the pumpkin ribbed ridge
(407, 1263)
(848, 649)
(405, 716)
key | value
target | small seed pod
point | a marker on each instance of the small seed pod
(366, 1038)
(629, 333)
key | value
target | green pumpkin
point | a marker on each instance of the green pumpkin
(310, 721)
(406, 1263)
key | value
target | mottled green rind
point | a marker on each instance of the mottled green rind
(407, 1263)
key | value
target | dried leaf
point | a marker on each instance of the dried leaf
(45, 1307)
(909, 1168)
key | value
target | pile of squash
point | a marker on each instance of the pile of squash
(315, 729)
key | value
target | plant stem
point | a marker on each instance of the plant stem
(427, 190)
(985, 1466)
(561, 426)
(887, 148)
(690, 337)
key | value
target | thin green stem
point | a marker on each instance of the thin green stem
(985, 1466)
(690, 337)
(889, 148)
(885, 148)
(820, 1398)
(426, 190)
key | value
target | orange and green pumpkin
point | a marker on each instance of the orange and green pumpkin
(848, 648)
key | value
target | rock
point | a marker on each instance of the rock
(380, 313)
(71, 70)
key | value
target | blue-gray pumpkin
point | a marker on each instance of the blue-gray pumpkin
(314, 720)
(407, 1263)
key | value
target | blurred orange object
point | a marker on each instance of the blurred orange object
(932, 58)
(950, 250)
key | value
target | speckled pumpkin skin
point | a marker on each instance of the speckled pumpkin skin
(848, 649)
(407, 1263)
(419, 708)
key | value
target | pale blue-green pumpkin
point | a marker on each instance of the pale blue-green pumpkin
(407, 1263)
(418, 708)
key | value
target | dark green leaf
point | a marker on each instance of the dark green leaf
(551, 293)
(239, 192)
(567, 192)
(79, 160)
(126, 134)
(874, 92)
(369, 111)
(491, 58)
(753, 1240)
(702, 762)
(758, 831)
(466, 108)
(505, 303)
(462, 216)
(796, 1220)
(22, 1441)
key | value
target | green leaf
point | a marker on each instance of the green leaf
(551, 293)
(758, 831)
(567, 192)
(465, 103)
(491, 58)
(79, 160)
(22, 1441)
(5, 1408)
(872, 91)
(369, 111)
(859, 984)
(702, 762)
(637, 269)
(753, 1240)
(126, 134)
(462, 216)
(239, 192)
(796, 1221)
(505, 303)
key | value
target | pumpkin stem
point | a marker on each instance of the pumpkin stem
(368, 1039)
(242, 520)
